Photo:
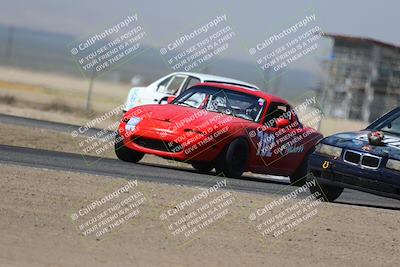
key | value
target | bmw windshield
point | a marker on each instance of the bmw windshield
(389, 123)
(224, 101)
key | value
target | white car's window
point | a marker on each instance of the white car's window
(192, 81)
(162, 86)
(175, 85)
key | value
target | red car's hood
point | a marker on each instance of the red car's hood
(174, 116)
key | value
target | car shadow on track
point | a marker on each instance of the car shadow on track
(368, 205)
(213, 173)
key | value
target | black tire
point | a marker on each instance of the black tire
(233, 160)
(124, 153)
(299, 177)
(326, 193)
(203, 167)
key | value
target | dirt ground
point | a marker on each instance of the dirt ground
(36, 229)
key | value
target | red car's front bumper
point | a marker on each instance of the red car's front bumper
(186, 146)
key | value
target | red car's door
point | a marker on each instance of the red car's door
(277, 147)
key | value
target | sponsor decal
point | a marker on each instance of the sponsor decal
(292, 150)
(325, 165)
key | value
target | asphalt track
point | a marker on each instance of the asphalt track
(50, 125)
(152, 172)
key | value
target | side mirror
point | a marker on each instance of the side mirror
(282, 123)
(170, 99)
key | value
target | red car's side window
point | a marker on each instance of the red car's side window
(275, 111)
(280, 110)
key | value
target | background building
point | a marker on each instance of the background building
(363, 80)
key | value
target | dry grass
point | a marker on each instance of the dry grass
(47, 87)
(58, 106)
(7, 99)
(331, 126)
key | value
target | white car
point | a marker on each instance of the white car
(173, 84)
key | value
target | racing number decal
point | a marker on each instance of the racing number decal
(266, 143)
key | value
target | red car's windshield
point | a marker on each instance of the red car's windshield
(224, 101)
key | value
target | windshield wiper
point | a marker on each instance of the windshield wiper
(390, 132)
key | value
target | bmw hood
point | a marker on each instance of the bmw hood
(359, 141)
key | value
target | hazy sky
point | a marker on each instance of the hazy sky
(252, 20)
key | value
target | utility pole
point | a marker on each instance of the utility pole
(266, 82)
(89, 95)
(10, 39)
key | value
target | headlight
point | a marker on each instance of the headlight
(329, 150)
(393, 164)
(132, 123)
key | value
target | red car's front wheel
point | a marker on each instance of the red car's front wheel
(124, 153)
(233, 160)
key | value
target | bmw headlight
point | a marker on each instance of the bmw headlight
(329, 150)
(393, 164)
(132, 123)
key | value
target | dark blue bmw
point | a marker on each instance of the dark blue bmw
(367, 160)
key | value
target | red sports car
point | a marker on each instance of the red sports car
(229, 128)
